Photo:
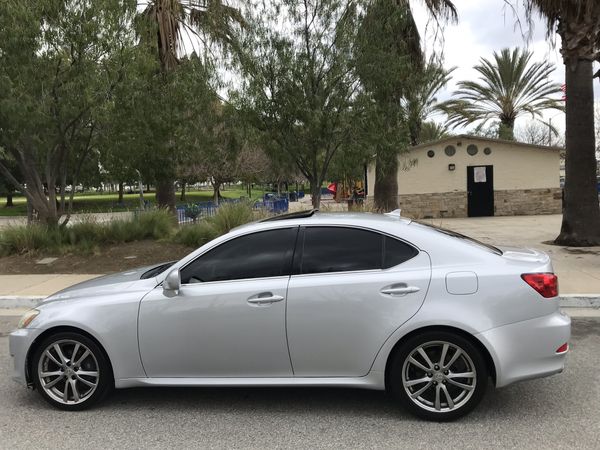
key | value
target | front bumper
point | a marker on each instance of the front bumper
(19, 342)
(526, 350)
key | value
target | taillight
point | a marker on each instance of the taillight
(563, 348)
(545, 283)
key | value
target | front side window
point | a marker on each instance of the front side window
(257, 255)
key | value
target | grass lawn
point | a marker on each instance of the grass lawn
(94, 203)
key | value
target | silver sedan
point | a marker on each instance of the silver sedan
(349, 300)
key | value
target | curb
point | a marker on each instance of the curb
(566, 301)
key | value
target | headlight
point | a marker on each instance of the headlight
(27, 318)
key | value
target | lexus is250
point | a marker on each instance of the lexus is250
(311, 299)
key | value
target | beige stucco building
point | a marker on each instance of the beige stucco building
(465, 175)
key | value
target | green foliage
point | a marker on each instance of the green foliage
(86, 235)
(228, 216)
(509, 86)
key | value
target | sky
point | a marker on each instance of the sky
(486, 26)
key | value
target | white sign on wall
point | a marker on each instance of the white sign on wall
(479, 175)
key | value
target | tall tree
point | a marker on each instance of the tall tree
(399, 87)
(210, 21)
(60, 61)
(577, 22)
(299, 83)
(509, 86)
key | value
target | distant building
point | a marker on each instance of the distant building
(470, 176)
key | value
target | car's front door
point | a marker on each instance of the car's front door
(350, 290)
(228, 319)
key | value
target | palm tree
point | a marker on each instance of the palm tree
(508, 87)
(171, 20)
(577, 22)
(420, 102)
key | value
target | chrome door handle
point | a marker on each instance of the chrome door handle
(265, 299)
(400, 290)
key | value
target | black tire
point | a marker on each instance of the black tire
(97, 362)
(424, 405)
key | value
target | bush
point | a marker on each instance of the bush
(227, 217)
(196, 235)
(86, 235)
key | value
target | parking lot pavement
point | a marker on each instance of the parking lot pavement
(557, 412)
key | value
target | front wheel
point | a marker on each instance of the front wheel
(438, 375)
(70, 371)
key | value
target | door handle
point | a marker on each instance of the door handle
(265, 298)
(400, 290)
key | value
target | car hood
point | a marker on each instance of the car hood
(103, 285)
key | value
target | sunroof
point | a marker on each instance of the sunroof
(294, 215)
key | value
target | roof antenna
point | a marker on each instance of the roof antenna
(396, 212)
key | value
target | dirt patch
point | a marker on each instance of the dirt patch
(109, 259)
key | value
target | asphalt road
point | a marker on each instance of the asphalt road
(557, 412)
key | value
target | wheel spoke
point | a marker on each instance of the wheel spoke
(453, 359)
(443, 357)
(418, 364)
(52, 358)
(420, 391)
(60, 354)
(66, 392)
(51, 374)
(75, 350)
(86, 373)
(84, 381)
(419, 381)
(461, 375)
(73, 384)
(82, 358)
(425, 357)
(448, 398)
(53, 382)
(466, 387)
(437, 398)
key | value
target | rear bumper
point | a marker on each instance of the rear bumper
(526, 350)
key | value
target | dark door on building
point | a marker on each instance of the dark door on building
(480, 191)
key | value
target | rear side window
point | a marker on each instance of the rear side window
(257, 255)
(338, 249)
(396, 252)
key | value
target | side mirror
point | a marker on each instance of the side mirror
(172, 282)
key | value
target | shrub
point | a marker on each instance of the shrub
(231, 215)
(86, 235)
(196, 235)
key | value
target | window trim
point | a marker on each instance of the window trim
(288, 269)
(299, 253)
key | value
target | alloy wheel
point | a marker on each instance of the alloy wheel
(68, 372)
(439, 376)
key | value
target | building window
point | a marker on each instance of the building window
(450, 150)
(431, 153)
(472, 149)
(487, 151)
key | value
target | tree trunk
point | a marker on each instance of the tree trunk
(315, 192)
(581, 213)
(182, 197)
(120, 200)
(165, 194)
(9, 200)
(216, 192)
(386, 184)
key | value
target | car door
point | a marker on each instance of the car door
(350, 289)
(228, 319)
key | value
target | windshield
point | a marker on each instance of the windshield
(454, 234)
(156, 270)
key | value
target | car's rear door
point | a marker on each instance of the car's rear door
(350, 289)
(228, 319)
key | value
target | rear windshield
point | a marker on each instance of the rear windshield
(456, 235)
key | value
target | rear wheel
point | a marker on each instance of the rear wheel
(70, 371)
(438, 375)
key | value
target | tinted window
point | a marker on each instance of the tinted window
(396, 252)
(330, 249)
(264, 254)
